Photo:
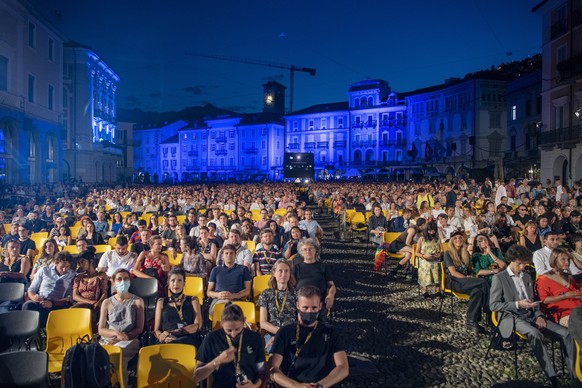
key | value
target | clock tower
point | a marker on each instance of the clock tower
(274, 98)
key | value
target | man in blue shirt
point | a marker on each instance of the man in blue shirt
(228, 282)
(51, 288)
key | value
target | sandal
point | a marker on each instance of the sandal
(425, 295)
(507, 345)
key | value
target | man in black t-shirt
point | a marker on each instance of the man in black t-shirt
(309, 352)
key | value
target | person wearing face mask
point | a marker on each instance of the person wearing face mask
(233, 355)
(309, 352)
(122, 319)
(178, 318)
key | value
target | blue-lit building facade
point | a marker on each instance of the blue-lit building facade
(31, 84)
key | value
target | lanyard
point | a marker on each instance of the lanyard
(237, 360)
(280, 309)
(298, 348)
(179, 311)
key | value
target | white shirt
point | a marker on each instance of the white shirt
(541, 260)
(519, 285)
(112, 261)
(501, 192)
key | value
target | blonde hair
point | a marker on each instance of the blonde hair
(459, 257)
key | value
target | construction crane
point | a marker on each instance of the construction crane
(292, 68)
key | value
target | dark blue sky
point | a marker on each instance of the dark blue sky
(411, 44)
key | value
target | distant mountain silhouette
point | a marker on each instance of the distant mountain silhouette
(191, 114)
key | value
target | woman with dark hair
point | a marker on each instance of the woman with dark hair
(14, 268)
(377, 224)
(47, 255)
(89, 287)
(153, 264)
(153, 225)
(122, 319)
(486, 260)
(277, 303)
(117, 223)
(233, 354)
(192, 263)
(277, 233)
(460, 279)
(178, 318)
(290, 248)
(93, 237)
(127, 229)
(429, 252)
(205, 246)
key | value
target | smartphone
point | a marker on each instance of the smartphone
(537, 302)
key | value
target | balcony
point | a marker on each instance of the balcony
(310, 145)
(251, 150)
(386, 123)
(221, 139)
(371, 123)
(569, 68)
(559, 28)
(193, 153)
(221, 152)
(358, 124)
(561, 137)
(322, 144)
(11, 101)
(339, 144)
(293, 146)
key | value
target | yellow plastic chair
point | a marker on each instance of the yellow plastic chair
(39, 235)
(124, 214)
(447, 291)
(281, 212)
(72, 249)
(63, 329)
(256, 215)
(495, 321)
(194, 287)
(227, 212)
(115, 360)
(260, 283)
(38, 241)
(248, 309)
(181, 219)
(577, 362)
(7, 228)
(74, 231)
(251, 246)
(349, 214)
(166, 365)
(358, 223)
(175, 261)
(112, 241)
(102, 248)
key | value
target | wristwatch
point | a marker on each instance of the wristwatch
(319, 386)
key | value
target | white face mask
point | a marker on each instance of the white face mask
(123, 286)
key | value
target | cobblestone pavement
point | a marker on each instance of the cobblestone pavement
(387, 322)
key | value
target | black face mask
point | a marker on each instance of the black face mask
(308, 318)
(176, 295)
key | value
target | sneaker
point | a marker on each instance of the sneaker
(477, 328)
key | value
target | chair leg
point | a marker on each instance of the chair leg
(515, 356)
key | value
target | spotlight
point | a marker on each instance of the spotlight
(539, 125)
(578, 112)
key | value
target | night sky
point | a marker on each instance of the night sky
(411, 44)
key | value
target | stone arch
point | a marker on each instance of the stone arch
(560, 168)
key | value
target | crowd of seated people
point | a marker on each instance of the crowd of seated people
(229, 234)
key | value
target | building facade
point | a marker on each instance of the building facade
(91, 149)
(31, 87)
(561, 121)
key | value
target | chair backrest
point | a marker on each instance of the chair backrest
(195, 287)
(388, 237)
(443, 278)
(74, 230)
(64, 327)
(24, 369)
(112, 241)
(39, 235)
(102, 248)
(13, 292)
(256, 215)
(260, 283)
(147, 289)
(174, 261)
(358, 218)
(114, 353)
(248, 309)
(17, 328)
(250, 245)
(72, 249)
(577, 362)
(166, 365)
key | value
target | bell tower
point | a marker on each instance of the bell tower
(274, 98)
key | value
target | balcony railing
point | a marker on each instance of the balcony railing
(322, 144)
(221, 139)
(339, 144)
(310, 145)
(560, 136)
(386, 123)
(192, 153)
(358, 124)
(570, 67)
(221, 152)
(371, 123)
(251, 150)
(11, 101)
(293, 146)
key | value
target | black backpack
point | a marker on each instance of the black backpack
(87, 365)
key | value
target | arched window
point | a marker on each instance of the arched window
(356, 102)
(51, 148)
(2, 146)
(364, 102)
(31, 147)
(370, 101)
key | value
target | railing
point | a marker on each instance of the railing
(570, 67)
(371, 123)
(221, 139)
(322, 144)
(293, 146)
(251, 150)
(386, 123)
(11, 101)
(192, 153)
(339, 144)
(221, 152)
(562, 135)
(310, 145)
(358, 124)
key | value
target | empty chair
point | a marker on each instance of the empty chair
(63, 329)
(260, 283)
(147, 289)
(18, 330)
(24, 369)
(166, 365)
(11, 292)
(115, 360)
